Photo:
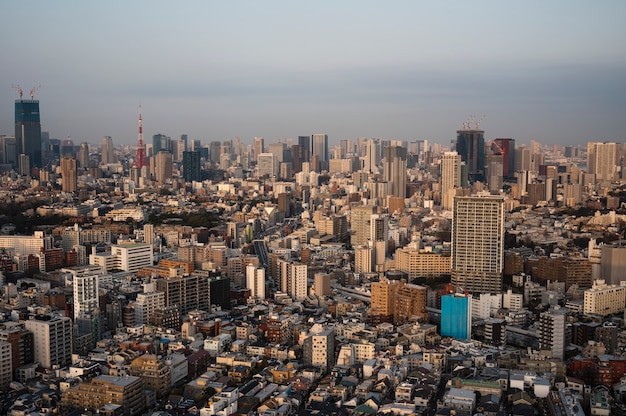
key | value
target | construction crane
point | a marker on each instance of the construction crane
(17, 88)
(33, 91)
(478, 122)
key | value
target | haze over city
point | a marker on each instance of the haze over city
(407, 70)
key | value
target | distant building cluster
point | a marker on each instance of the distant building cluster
(184, 277)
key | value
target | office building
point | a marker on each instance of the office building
(604, 299)
(470, 144)
(395, 170)
(52, 340)
(319, 147)
(163, 166)
(603, 160)
(107, 151)
(267, 165)
(191, 166)
(456, 316)
(361, 224)
(188, 293)
(68, 174)
(255, 281)
(322, 284)
(478, 243)
(420, 263)
(613, 264)
(259, 146)
(506, 148)
(372, 157)
(409, 303)
(450, 178)
(494, 172)
(28, 130)
(23, 162)
(552, 331)
(82, 156)
(132, 257)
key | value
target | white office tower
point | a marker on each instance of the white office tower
(552, 331)
(478, 243)
(52, 340)
(255, 281)
(450, 178)
(603, 160)
(372, 157)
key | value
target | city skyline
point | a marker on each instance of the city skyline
(548, 72)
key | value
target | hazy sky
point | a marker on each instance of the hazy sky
(552, 71)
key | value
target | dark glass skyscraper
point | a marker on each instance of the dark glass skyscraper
(470, 144)
(191, 166)
(28, 130)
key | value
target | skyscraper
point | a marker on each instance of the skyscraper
(258, 147)
(603, 160)
(450, 177)
(470, 144)
(395, 170)
(191, 166)
(320, 147)
(28, 130)
(163, 166)
(478, 243)
(83, 155)
(68, 174)
(107, 151)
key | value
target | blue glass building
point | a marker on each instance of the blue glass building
(28, 130)
(456, 316)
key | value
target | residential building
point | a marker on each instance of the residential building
(52, 339)
(478, 243)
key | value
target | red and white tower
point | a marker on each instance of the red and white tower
(140, 161)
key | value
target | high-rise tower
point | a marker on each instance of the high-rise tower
(470, 144)
(395, 170)
(28, 128)
(478, 243)
(450, 177)
(141, 160)
(68, 174)
(107, 150)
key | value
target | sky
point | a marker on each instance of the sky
(405, 70)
